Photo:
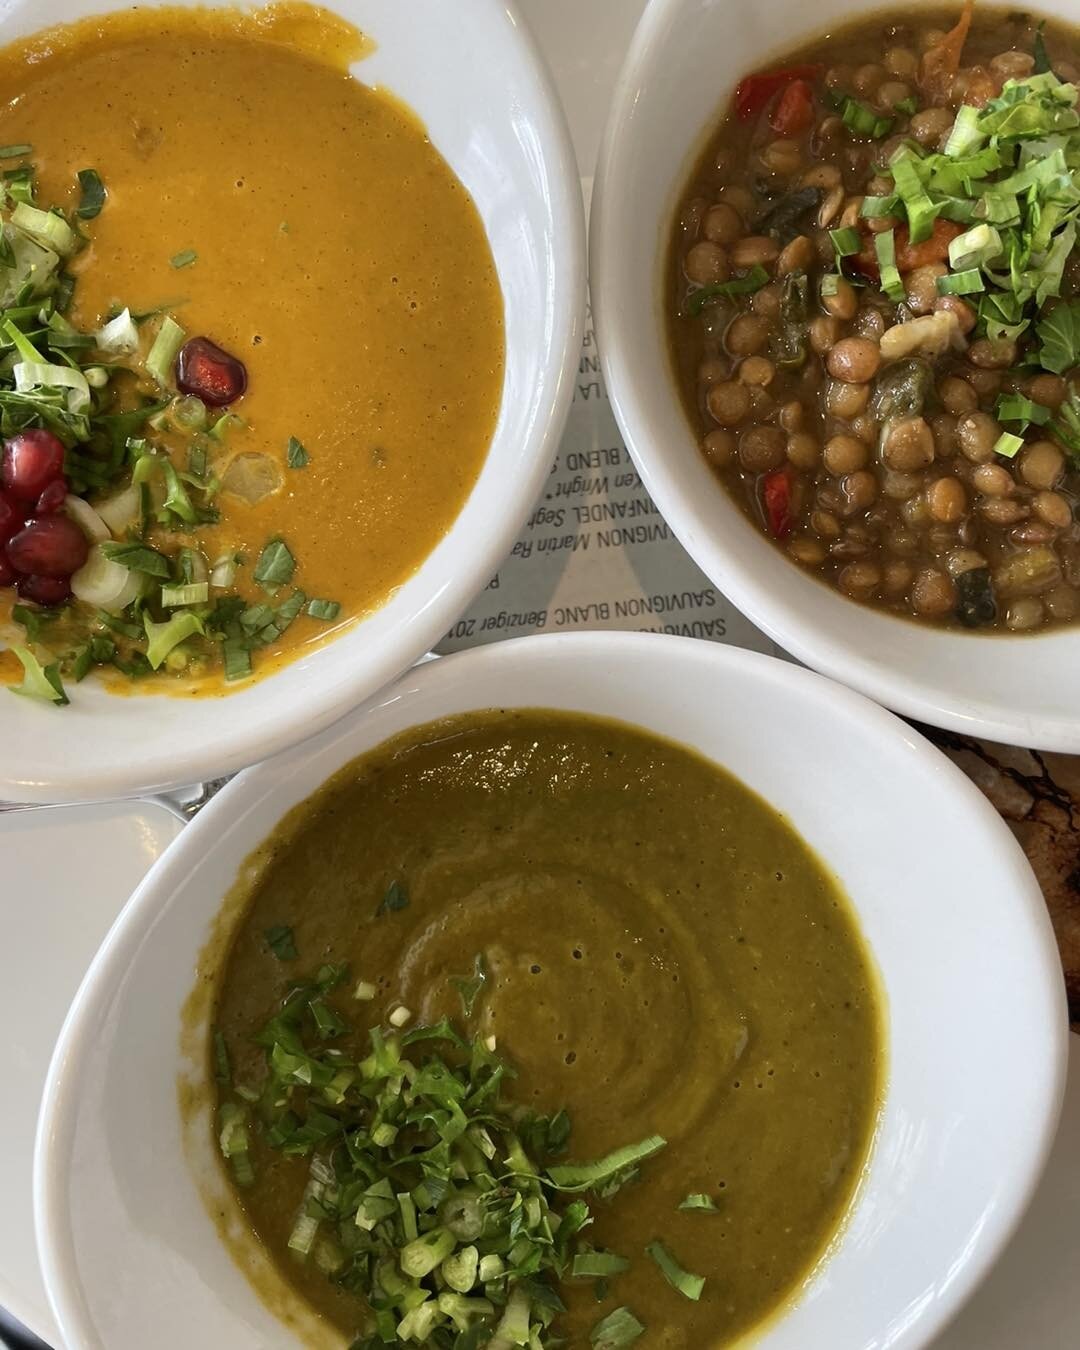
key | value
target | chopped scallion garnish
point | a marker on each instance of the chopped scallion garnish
(328, 610)
(690, 1286)
(295, 455)
(91, 194)
(275, 566)
(281, 942)
(183, 259)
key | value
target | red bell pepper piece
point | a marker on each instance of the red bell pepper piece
(776, 499)
(754, 92)
(795, 111)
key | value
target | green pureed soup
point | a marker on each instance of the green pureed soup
(511, 943)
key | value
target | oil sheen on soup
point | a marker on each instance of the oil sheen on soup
(874, 313)
(650, 951)
(330, 362)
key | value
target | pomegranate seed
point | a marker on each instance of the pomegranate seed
(44, 590)
(32, 459)
(7, 572)
(11, 519)
(203, 369)
(48, 546)
(53, 498)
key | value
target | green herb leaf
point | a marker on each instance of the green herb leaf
(183, 259)
(39, 682)
(586, 1176)
(1042, 59)
(469, 987)
(690, 1286)
(617, 1329)
(699, 1201)
(295, 454)
(138, 558)
(328, 610)
(275, 566)
(755, 278)
(1059, 333)
(15, 151)
(394, 899)
(91, 194)
(598, 1265)
(280, 940)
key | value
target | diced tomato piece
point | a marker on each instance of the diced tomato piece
(932, 250)
(755, 91)
(776, 499)
(795, 111)
(908, 255)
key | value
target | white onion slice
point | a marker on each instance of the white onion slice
(105, 584)
(119, 335)
(87, 519)
(121, 509)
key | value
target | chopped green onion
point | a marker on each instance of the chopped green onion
(961, 283)
(183, 259)
(237, 659)
(846, 241)
(365, 991)
(921, 211)
(91, 194)
(829, 285)
(699, 1201)
(162, 638)
(162, 356)
(45, 228)
(276, 565)
(39, 682)
(15, 151)
(295, 455)
(974, 248)
(863, 121)
(120, 336)
(324, 609)
(690, 1286)
(469, 987)
(1008, 445)
(1017, 408)
(598, 1265)
(753, 281)
(873, 208)
(584, 1176)
(885, 248)
(191, 413)
(280, 940)
(194, 593)
(617, 1329)
(965, 135)
(909, 106)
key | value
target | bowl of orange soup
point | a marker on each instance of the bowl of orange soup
(287, 309)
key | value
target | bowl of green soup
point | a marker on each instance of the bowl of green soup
(593, 989)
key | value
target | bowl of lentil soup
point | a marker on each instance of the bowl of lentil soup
(614, 983)
(860, 410)
(259, 451)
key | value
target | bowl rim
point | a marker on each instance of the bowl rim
(170, 763)
(770, 607)
(211, 828)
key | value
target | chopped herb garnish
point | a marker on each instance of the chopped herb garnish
(469, 986)
(587, 1176)
(690, 1286)
(598, 1265)
(91, 194)
(617, 1329)
(281, 942)
(275, 566)
(755, 278)
(295, 454)
(699, 1201)
(327, 610)
(15, 151)
(137, 558)
(39, 682)
(183, 259)
(394, 899)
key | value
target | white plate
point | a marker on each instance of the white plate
(67, 872)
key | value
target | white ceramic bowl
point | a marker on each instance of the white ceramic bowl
(683, 65)
(975, 1006)
(482, 90)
